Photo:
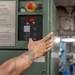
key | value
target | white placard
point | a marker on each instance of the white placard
(41, 59)
(26, 28)
(7, 23)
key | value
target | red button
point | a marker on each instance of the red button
(31, 19)
(29, 5)
(39, 6)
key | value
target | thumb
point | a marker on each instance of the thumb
(30, 40)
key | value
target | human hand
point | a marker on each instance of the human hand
(42, 46)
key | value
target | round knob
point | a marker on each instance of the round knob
(30, 6)
(34, 28)
(44, 71)
(34, 34)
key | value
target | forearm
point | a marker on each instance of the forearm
(18, 64)
(23, 62)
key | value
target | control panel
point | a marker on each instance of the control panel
(19, 23)
(21, 20)
(31, 6)
(30, 26)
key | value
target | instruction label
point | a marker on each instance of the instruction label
(7, 23)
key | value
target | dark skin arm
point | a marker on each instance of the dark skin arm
(17, 65)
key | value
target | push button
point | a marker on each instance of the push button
(39, 6)
(31, 19)
(30, 6)
(34, 28)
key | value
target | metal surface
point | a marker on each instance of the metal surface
(23, 44)
(53, 21)
(37, 68)
(65, 2)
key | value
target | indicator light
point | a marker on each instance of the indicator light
(27, 23)
(39, 6)
(33, 22)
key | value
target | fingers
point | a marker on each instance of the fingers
(47, 36)
(50, 41)
(48, 49)
(30, 40)
(50, 45)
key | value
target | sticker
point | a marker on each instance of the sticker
(41, 59)
(7, 23)
(26, 28)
